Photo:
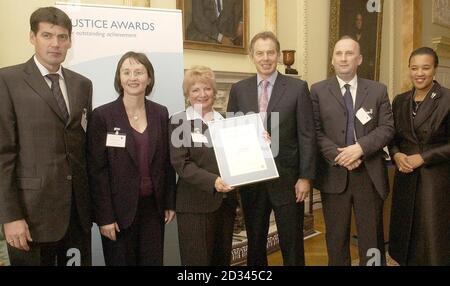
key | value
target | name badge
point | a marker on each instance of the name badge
(364, 116)
(116, 139)
(199, 138)
(84, 119)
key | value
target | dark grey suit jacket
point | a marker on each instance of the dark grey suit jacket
(42, 159)
(331, 122)
(295, 132)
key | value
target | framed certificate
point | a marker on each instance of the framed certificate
(242, 153)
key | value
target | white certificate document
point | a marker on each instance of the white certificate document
(243, 156)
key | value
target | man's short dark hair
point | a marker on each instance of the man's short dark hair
(50, 15)
(425, 51)
(264, 35)
(141, 58)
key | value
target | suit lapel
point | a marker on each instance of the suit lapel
(361, 94)
(152, 129)
(277, 93)
(125, 128)
(335, 90)
(252, 95)
(408, 120)
(37, 82)
(428, 106)
(71, 90)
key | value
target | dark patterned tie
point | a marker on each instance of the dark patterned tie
(56, 89)
(350, 134)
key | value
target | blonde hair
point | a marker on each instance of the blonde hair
(198, 74)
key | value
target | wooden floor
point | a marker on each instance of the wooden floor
(315, 247)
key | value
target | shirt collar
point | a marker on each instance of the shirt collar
(272, 78)
(352, 83)
(44, 71)
(191, 114)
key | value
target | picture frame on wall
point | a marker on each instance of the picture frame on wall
(361, 20)
(441, 12)
(215, 25)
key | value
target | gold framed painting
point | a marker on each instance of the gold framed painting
(361, 20)
(215, 25)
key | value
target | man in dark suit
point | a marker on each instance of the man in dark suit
(353, 120)
(286, 107)
(216, 21)
(44, 198)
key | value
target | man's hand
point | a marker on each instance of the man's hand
(17, 234)
(349, 155)
(110, 230)
(266, 137)
(415, 161)
(402, 162)
(354, 165)
(169, 216)
(302, 189)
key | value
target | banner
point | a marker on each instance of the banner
(100, 36)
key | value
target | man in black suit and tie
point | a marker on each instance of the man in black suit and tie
(287, 99)
(353, 120)
(45, 204)
(216, 21)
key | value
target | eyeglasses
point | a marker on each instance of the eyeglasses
(135, 73)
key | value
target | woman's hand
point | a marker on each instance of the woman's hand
(109, 230)
(221, 186)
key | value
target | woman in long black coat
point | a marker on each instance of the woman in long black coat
(420, 216)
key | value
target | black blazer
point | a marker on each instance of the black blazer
(295, 132)
(113, 172)
(42, 158)
(331, 123)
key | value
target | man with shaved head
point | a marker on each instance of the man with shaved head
(353, 121)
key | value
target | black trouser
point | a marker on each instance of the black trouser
(141, 244)
(289, 220)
